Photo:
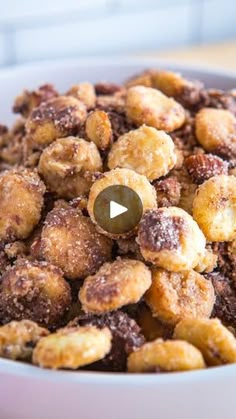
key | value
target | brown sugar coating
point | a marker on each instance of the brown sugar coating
(56, 118)
(70, 241)
(214, 208)
(168, 192)
(115, 285)
(215, 341)
(174, 296)
(126, 337)
(145, 105)
(99, 129)
(216, 131)
(126, 177)
(18, 338)
(146, 150)
(67, 166)
(29, 100)
(161, 356)
(72, 347)
(171, 239)
(202, 167)
(21, 202)
(36, 291)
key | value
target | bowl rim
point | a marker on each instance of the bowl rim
(19, 369)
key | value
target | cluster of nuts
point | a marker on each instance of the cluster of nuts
(159, 298)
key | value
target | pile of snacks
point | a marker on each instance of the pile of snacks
(159, 298)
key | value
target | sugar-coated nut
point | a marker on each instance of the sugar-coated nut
(171, 239)
(169, 82)
(207, 263)
(115, 285)
(72, 347)
(27, 101)
(36, 291)
(126, 177)
(216, 131)
(174, 296)
(65, 166)
(17, 339)
(202, 167)
(70, 241)
(146, 150)
(98, 129)
(214, 208)
(142, 79)
(59, 117)
(168, 192)
(145, 105)
(85, 92)
(21, 202)
(215, 341)
(160, 356)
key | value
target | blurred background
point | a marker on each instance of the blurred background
(46, 29)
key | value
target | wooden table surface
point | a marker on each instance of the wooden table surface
(221, 55)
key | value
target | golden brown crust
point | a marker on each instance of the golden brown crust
(29, 100)
(67, 166)
(17, 339)
(72, 347)
(85, 92)
(98, 129)
(214, 340)
(36, 291)
(116, 284)
(202, 167)
(21, 202)
(174, 296)
(160, 356)
(70, 240)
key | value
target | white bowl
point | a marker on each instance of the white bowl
(27, 392)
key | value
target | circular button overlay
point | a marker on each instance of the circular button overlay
(118, 209)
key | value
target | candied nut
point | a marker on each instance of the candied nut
(58, 117)
(126, 177)
(169, 82)
(215, 341)
(98, 129)
(29, 100)
(72, 347)
(202, 167)
(207, 263)
(105, 88)
(70, 240)
(116, 284)
(214, 208)
(160, 356)
(17, 339)
(145, 105)
(216, 131)
(171, 239)
(168, 192)
(146, 150)
(65, 166)
(174, 296)
(16, 249)
(126, 337)
(21, 202)
(142, 79)
(85, 92)
(151, 327)
(36, 291)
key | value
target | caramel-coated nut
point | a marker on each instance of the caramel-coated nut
(72, 347)
(98, 129)
(215, 341)
(160, 356)
(146, 150)
(116, 284)
(145, 105)
(214, 208)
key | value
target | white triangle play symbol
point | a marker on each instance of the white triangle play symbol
(116, 209)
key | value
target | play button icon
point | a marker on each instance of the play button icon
(118, 209)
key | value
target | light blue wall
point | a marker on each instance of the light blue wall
(42, 29)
